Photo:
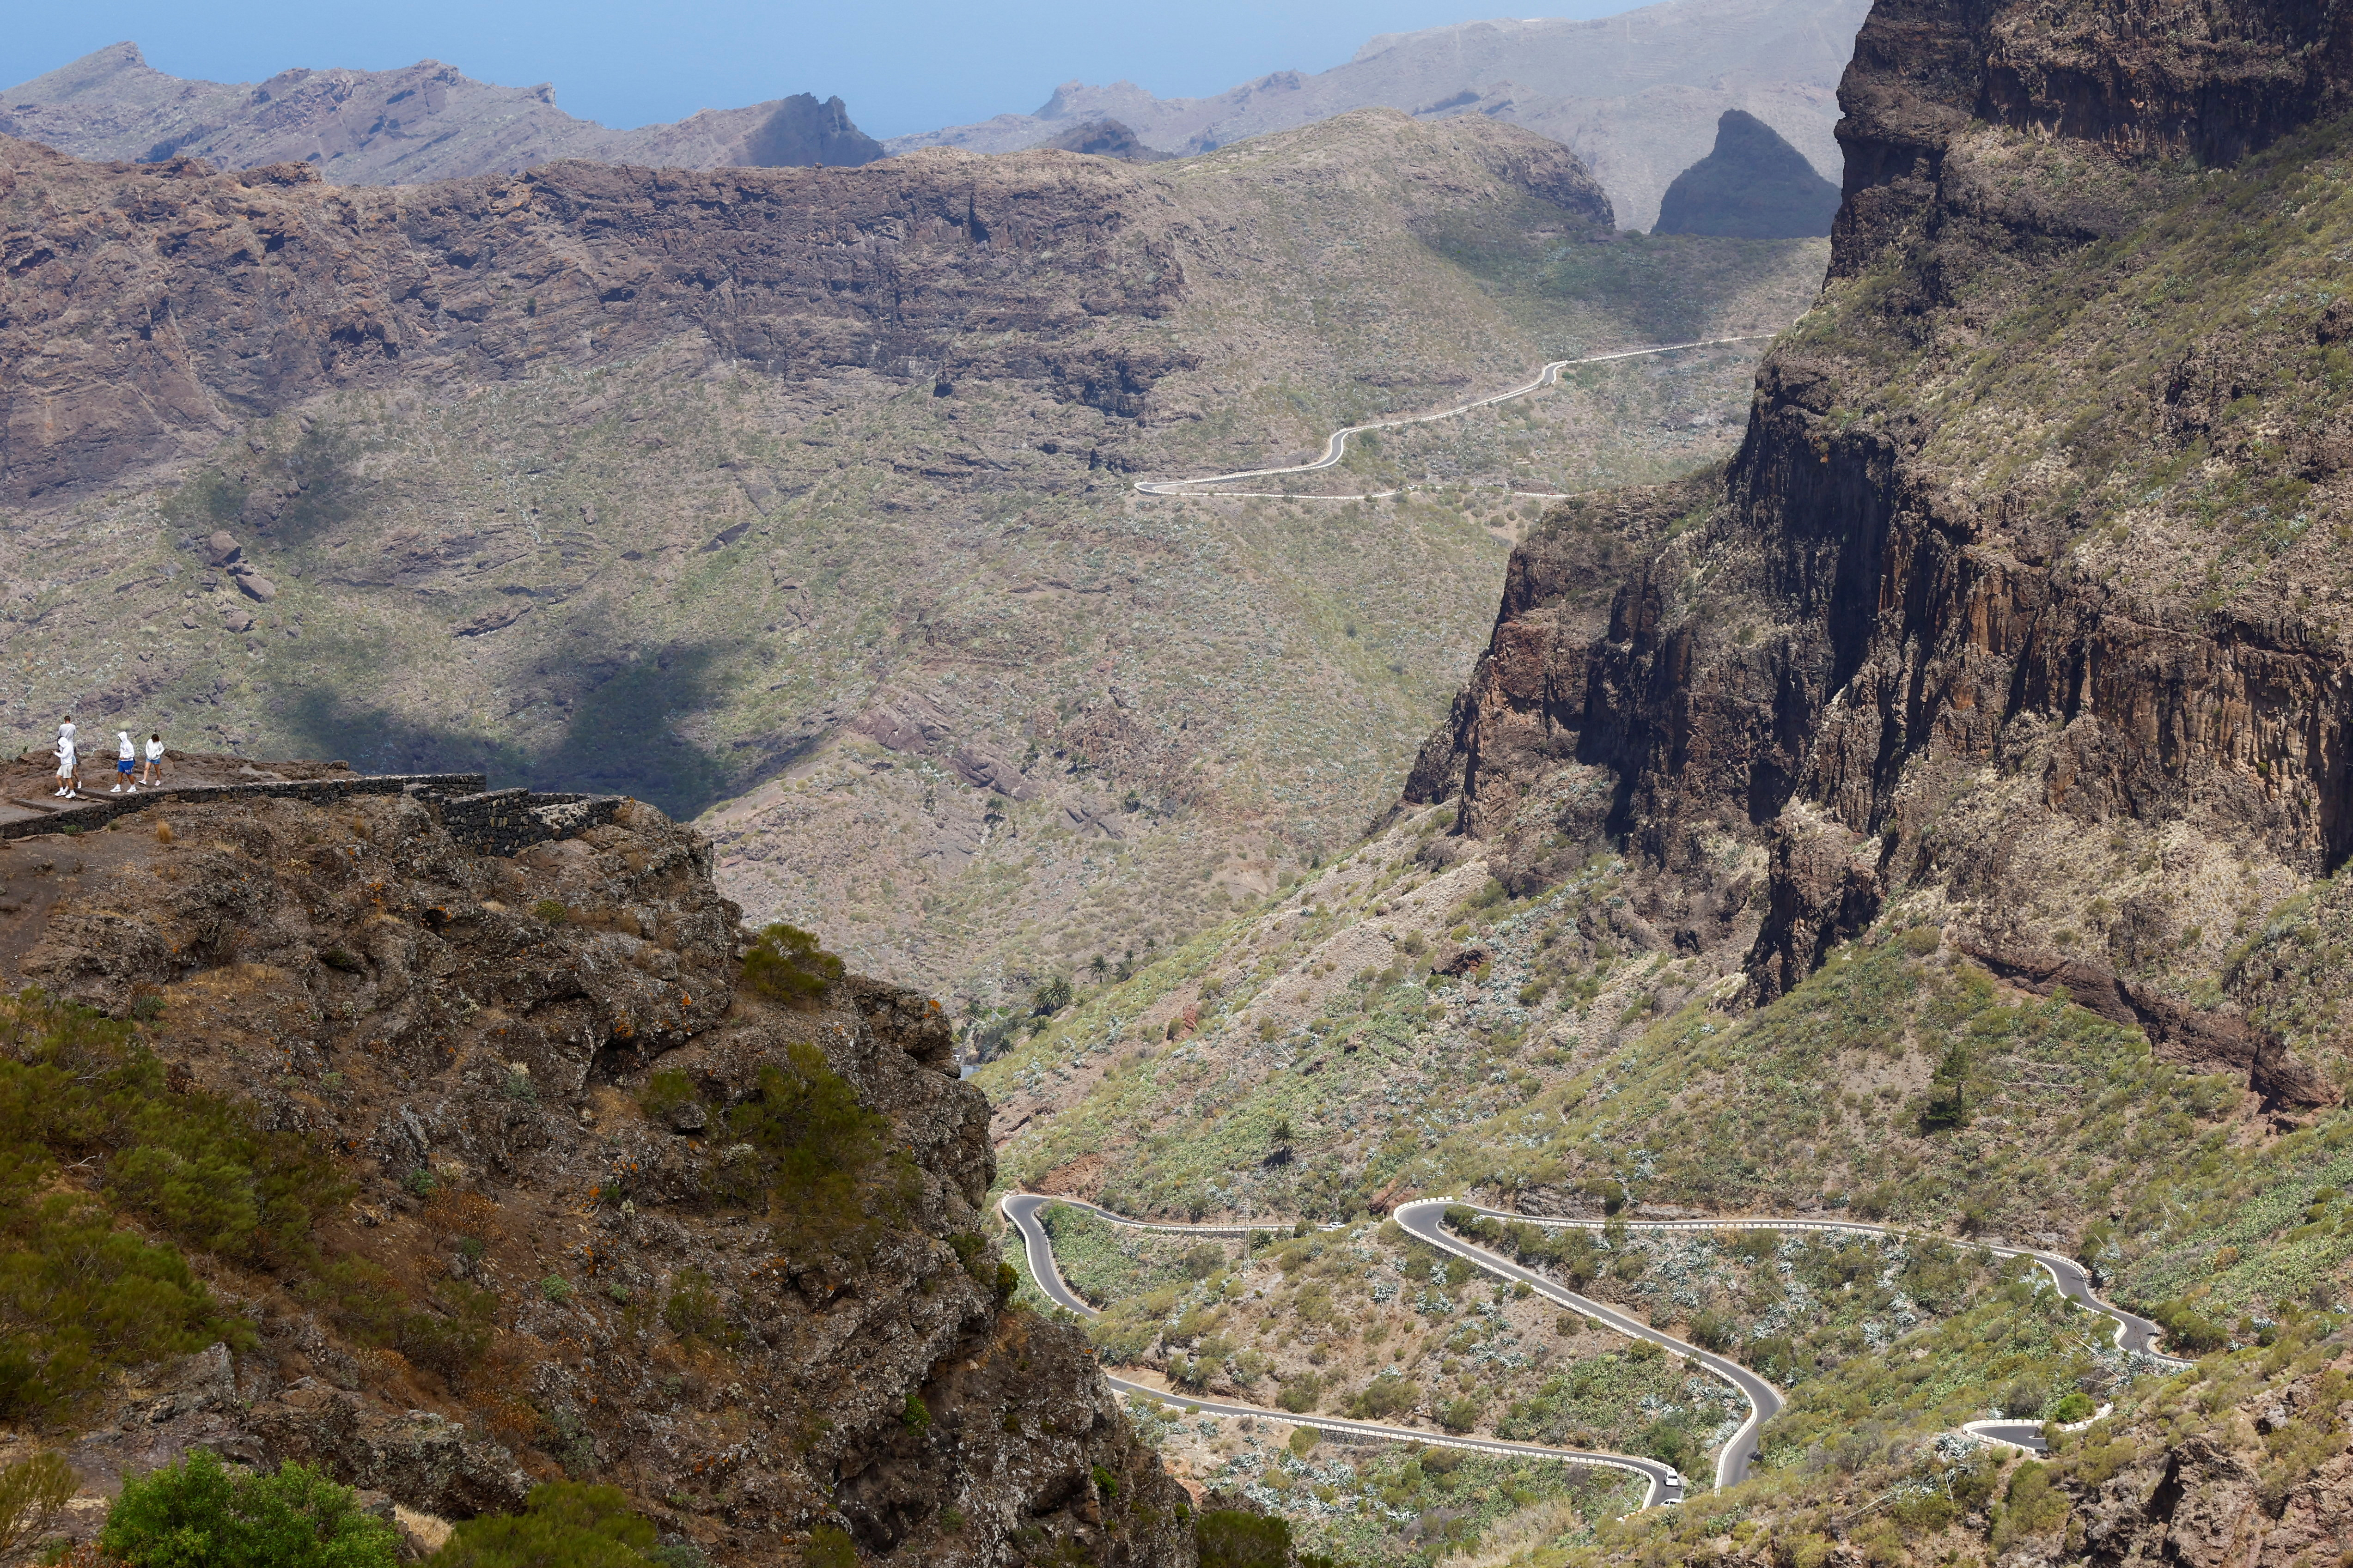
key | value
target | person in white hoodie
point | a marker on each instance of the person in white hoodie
(153, 772)
(126, 762)
(69, 759)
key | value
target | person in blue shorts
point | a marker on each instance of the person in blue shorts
(153, 774)
(126, 760)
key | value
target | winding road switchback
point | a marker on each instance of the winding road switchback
(1663, 1484)
(1424, 1219)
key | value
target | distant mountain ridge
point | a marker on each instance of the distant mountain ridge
(423, 123)
(1637, 95)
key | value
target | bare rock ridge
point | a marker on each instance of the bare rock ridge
(280, 287)
(1977, 637)
(512, 1058)
(1752, 185)
(1637, 95)
(1105, 139)
(423, 123)
(284, 287)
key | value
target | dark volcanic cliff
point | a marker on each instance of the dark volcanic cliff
(2024, 605)
(524, 1146)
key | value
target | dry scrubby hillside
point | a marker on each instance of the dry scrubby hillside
(451, 1173)
(1937, 814)
(808, 492)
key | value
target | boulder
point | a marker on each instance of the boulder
(223, 548)
(254, 585)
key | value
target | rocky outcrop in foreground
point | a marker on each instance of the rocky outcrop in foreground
(611, 1214)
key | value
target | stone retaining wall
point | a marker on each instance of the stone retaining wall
(501, 821)
(102, 809)
(493, 820)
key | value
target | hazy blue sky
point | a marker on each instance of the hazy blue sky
(910, 65)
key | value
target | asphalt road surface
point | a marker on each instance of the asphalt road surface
(1665, 1485)
(1424, 1220)
(1336, 446)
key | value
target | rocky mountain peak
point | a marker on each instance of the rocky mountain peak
(1752, 185)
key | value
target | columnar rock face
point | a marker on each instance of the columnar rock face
(2025, 602)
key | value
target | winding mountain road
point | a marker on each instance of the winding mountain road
(1424, 1220)
(1665, 1485)
(1336, 447)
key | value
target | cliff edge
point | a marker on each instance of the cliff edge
(2023, 605)
(474, 1170)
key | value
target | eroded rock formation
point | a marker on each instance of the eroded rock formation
(473, 1037)
(2011, 605)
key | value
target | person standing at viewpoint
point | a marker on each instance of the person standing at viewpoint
(69, 759)
(153, 774)
(126, 760)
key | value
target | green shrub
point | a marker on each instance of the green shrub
(79, 1298)
(2187, 1330)
(915, 1413)
(1947, 1103)
(810, 1154)
(786, 962)
(32, 1490)
(1301, 1394)
(830, 1548)
(565, 1524)
(665, 1094)
(2036, 1507)
(1233, 1538)
(2075, 1405)
(693, 1310)
(199, 1513)
(1713, 1331)
(1460, 1414)
(551, 910)
(1387, 1394)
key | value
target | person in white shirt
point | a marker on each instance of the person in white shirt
(69, 759)
(126, 760)
(153, 772)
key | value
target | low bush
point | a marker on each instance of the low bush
(565, 1524)
(32, 1491)
(199, 1513)
(693, 1311)
(1387, 1394)
(80, 1295)
(786, 963)
(2188, 1331)
(815, 1158)
(1235, 1537)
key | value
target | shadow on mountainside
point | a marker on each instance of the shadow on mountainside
(620, 739)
